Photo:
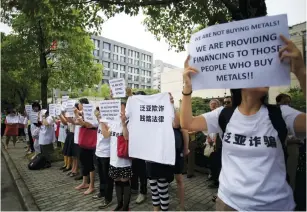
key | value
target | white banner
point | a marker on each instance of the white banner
(88, 112)
(33, 117)
(58, 109)
(118, 87)
(28, 109)
(109, 110)
(240, 54)
(70, 107)
(52, 108)
(65, 98)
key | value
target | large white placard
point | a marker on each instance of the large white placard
(88, 112)
(33, 117)
(109, 110)
(52, 108)
(28, 109)
(240, 54)
(118, 87)
(70, 107)
(65, 98)
(58, 109)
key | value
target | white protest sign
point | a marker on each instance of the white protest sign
(88, 112)
(109, 110)
(240, 54)
(65, 98)
(28, 109)
(58, 109)
(118, 87)
(52, 108)
(70, 107)
(33, 117)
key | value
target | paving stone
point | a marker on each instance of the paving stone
(53, 190)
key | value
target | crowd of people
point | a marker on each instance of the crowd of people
(246, 140)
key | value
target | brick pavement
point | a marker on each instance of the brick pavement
(53, 190)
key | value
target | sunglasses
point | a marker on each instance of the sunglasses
(227, 102)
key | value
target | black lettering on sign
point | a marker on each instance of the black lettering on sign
(142, 118)
(254, 141)
(161, 118)
(227, 137)
(240, 139)
(148, 118)
(161, 108)
(154, 108)
(148, 107)
(154, 119)
(142, 107)
(270, 141)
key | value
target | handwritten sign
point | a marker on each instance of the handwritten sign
(118, 87)
(240, 54)
(58, 109)
(109, 110)
(33, 117)
(65, 98)
(88, 112)
(70, 107)
(28, 109)
(52, 108)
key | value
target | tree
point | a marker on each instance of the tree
(199, 106)
(54, 33)
(298, 100)
(147, 91)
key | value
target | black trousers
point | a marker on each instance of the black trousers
(2, 129)
(31, 143)
(139, 172)
(106, 182)
(216, 164)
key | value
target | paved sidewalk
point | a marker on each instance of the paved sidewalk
(53, 190)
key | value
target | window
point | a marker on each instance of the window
(122, 50)
(129, 77)
(130, 85)
(149, 58)
(148, 87)
(142, 79)
(115, 57)
(143, 86)
(106, 65)
(115, 74)
(148, 65)
(96, 52)
(130, 61)
(136, 62)
(143, 57)
(106, 46)
(96, 43)
(148, 73)
(106, 55)
(123, 59)
(115, 66)
(136, 71)
(106, 73)
(148, 81)
(122, 68)
(129, 52)
(105, 81)
(129, 69)
(122, 75)
(136, 78)
(116, 50)
(137, 55)
(142, 72)
(136, 86)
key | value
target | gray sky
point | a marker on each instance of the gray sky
(129, 30)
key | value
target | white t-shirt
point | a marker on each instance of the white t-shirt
(117, 128)
(46, 133)
(103, 145)
(62, 133)
(76, 134)
(253, 175)
(151, 134)
(21, 119)
(12, 119)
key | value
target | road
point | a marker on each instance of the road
(10, 200)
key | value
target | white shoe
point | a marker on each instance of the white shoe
(140, 199)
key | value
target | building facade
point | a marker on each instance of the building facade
(123, 61)
(158, 69)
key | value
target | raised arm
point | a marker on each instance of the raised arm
(105, 130)
(187, 121)
(298, 68)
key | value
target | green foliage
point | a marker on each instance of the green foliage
(298, 100)
(147, 91)
(199, 106)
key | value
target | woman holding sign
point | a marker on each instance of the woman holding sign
(253, 175)
(11, 127)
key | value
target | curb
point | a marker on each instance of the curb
(25, 194)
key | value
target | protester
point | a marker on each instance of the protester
(21, 127)
(67, 134)
(103, 164)
(182, 143)
(246, 183)
(120, 168)
(46, 136)
(191, 155)
(11, 127)
(86, 155)
(35, 128)
(139, 173)
(227, 101)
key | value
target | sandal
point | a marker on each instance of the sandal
(214, 198)
(73, 174)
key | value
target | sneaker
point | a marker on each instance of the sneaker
(105, 204)
(140, 199)
(97, 196)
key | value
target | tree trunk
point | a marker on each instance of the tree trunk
(44, 80)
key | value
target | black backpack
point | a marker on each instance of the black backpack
(275, 116)
(178, 139)
(39, 162)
